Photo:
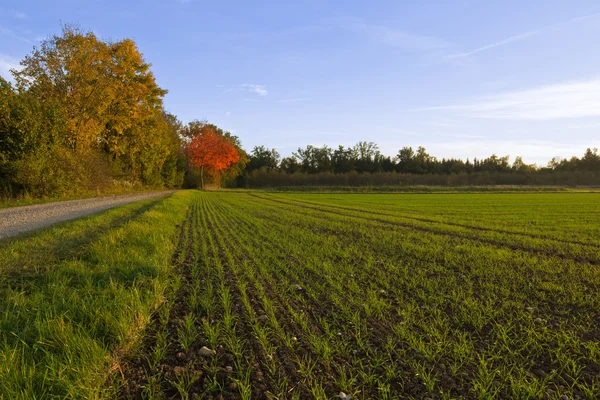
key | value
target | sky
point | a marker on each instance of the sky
(463, 78)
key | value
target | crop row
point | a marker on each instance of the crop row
(277, 298)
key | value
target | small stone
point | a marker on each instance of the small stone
(180, 355)
(179, 370)
(339, 333)
(295, 339)
(539, 320)
(205, 351)
(229, 369)
(344, 396)
(382, 291)
(540, 373)
(298, 288)
(269, 357)
(530, 309)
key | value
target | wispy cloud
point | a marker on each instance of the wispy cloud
(258, 89)
(293, 100)
(589, 125)
(9, 32)
(18, 14)
(399, 38)
(577, 99)
(519, 37)
(12, 13)
(512, 39)
(6, 64)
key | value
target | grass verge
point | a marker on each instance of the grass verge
(74, 297)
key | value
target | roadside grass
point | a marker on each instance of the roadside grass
(74, 297)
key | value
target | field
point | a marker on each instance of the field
(298, 296)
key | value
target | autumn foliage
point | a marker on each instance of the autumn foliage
(83, 114)
(211, 152)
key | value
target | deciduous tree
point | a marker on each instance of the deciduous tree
(212, 152)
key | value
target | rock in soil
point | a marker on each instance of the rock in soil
(205, 351)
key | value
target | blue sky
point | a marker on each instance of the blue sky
(463, 78)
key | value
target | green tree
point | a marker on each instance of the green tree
(261, 157)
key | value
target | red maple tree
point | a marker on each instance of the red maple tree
(211, 151)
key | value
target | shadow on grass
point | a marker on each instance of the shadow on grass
(31, 255)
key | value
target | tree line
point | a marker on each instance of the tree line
(364, 164)
(365, 157)
(84, 114)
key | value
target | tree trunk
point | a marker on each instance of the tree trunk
(202, 177)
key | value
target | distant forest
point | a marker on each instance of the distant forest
(364, 165)
(85, 115)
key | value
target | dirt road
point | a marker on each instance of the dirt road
(17, 220)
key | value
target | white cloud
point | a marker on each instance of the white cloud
(584, 126)
(6, 64)
(258, 89)
(577, 99)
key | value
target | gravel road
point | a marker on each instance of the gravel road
(17, 220)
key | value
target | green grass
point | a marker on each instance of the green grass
(381, 296)
(304, 295)
(74, 297)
